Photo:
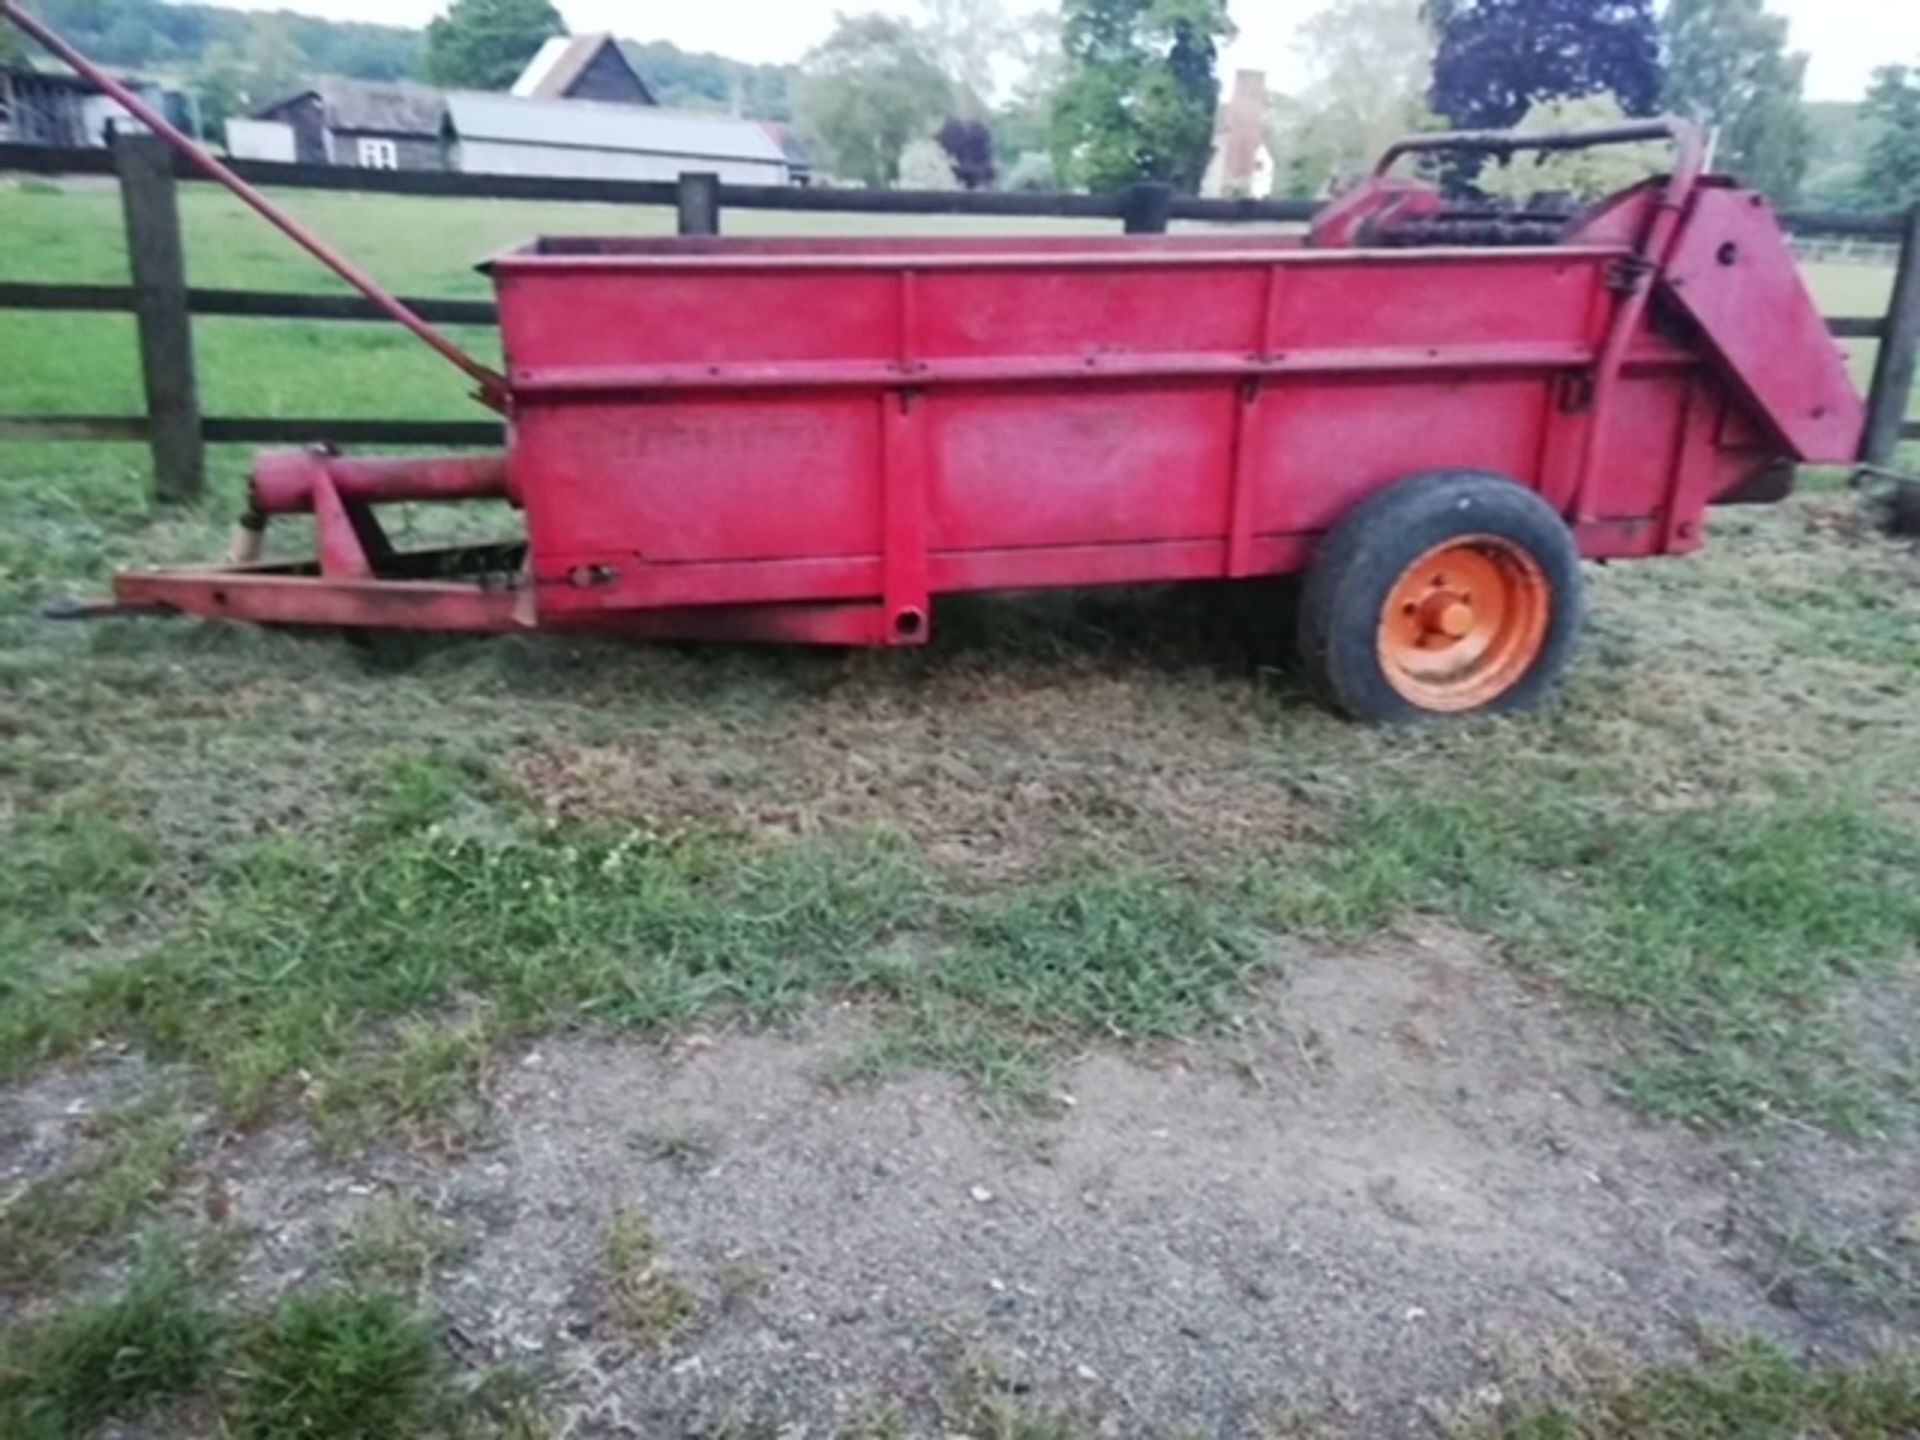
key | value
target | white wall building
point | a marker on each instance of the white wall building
(251, 139)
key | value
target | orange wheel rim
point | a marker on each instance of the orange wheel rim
(1464, 623)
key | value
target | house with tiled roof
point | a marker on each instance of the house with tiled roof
(583, 67)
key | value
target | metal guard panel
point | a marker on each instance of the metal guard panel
(1735, 277)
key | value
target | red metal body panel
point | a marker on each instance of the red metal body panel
(813, 439)
(1066, 418)
(1732, 276)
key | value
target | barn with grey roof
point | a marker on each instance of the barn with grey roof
(348, 122)
(583, 139)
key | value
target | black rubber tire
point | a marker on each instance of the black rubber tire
(1357, 564)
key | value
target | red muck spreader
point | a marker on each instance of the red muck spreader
(1433, 413)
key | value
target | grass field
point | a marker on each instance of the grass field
(331, 883)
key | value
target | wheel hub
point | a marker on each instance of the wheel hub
(1464, 622)
(1446, 615)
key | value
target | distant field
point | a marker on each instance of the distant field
(1855, 290)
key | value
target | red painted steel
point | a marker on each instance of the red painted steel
(1733, 278)
(285, 482)
(816, 439)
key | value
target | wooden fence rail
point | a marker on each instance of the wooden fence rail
(164, 304)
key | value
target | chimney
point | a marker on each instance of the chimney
(1246, 129)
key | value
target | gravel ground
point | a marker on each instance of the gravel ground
(1352, 1211)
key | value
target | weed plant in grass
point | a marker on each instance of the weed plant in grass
(397, 1245)
(341, 1366)
(648, 1301)
(348, 1364)
(129, 1358)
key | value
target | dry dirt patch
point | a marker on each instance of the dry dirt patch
(994, 778)
(1349, 1209)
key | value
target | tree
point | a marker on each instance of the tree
(1024, 123)
(698, 80)
(1729, 69)
(1891, 176)
(1032, 172)
(968, 39)
(180, 38)
(275, 66)
(1840, 138)
(1498, 58)
(866, 91)
(1140, 92)
(12, 52)
(923, 166)
(1583, 174)
(485, 44)
(1369, 62)
(969, 149)
(219, 91)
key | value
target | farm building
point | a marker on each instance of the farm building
(583, 67)
(347, 122)
(579, 111)
(585, 139)
(54, 107)
(799, 156)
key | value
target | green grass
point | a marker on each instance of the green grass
(337, 1367)
(1731, 935)
(289, 961)
(136, 1157)
(1126, 954)
(1855, 291)
(425, 1082)
(357, 1363)
(70, 875)
(298, 947)
(1879, 1274)
(129, 1357)
(87, 363)
(1751, 1391)
(352, 1363)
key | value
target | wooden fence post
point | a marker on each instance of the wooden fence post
(1145, 209)
(157, 258)
(699, 203)
(1894, 368)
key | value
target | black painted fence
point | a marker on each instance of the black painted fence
(165, 304)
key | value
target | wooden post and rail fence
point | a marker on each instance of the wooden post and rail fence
(164, 304)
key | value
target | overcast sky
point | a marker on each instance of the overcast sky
(1845, 38)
